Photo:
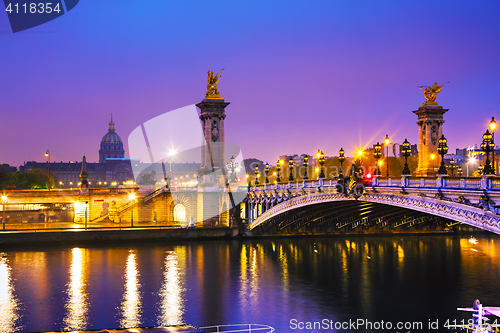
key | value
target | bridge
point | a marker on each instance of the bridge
(403, 204)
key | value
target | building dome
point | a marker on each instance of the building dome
(111, 144)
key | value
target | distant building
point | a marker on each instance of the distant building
(114, 169)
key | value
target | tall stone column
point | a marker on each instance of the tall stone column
(430, 128)
(212, 117)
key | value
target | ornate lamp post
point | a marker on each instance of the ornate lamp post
(387, 141)
(406, 152)
(321, 159)
(131, 196)
(460, 171)
(377, 154)
(306, 164)
(267, 173)
(278, 168)
(442, 150)
(4, 201)
(47, 154)
(487, 138)
(231, 167)
(257, 175)
(290, 166)
(341, 160)
(452, 166)
(247, 176)
(493, 126)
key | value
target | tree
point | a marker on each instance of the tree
(33, 179)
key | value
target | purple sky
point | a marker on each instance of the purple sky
(299, 75)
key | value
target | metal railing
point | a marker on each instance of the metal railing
(480, 183)
(238, 328)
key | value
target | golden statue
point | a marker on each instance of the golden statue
(212, 89)
(431, 92)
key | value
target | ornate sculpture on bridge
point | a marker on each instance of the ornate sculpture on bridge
(212, 88)
(430, 93)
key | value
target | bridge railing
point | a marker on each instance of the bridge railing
(486, 182)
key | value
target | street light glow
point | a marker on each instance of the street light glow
(360, 152)
(131, 196)
(4, 198)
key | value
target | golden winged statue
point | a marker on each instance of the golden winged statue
(430, 93)
(212, 88)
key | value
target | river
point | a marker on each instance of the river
(287, 283)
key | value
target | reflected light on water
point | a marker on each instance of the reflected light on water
(77, 305)
(8, 302)
(131, 303)
(172, 303)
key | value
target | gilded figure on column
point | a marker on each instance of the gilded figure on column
(212, 88)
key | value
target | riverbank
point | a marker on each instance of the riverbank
(80, 236)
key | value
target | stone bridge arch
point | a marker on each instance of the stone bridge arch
(264, 208)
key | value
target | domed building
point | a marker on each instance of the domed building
(111, 144)
(114, 168)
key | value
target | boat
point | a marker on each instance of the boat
(479, 324)
(240, 328)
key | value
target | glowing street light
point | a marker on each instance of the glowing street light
(377, 154)
(341, 160)
(442, 150)
(321, 159)
(279, 164)
(131, 197)
(472, 159)
(493, 126)
(171, 154)
(47, 154)
(433, 156)
(406, 153)
(306, 164)
(4, 201)
(387, 141)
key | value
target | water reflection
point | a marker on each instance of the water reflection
(77, 304)
(8, 302)
(131, 303)
(172, 302)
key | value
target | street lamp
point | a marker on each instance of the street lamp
(248, 181)
(321, 159)
(131, 197)
(459, 171)
(4, 201)
(231, 168)
(472, 159)
(278, 168)
(47, 154)
(267, 173)
(442, 150)
(377, 154)
(433, 156)
(387, 141)
(171, 153)
(486, 146)
(406, 152)
(341, 160)
(452, 166)
(360, 155)
(480, 169)
(493, 126)
(306, 163)
(290, 166)
(257, 175)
